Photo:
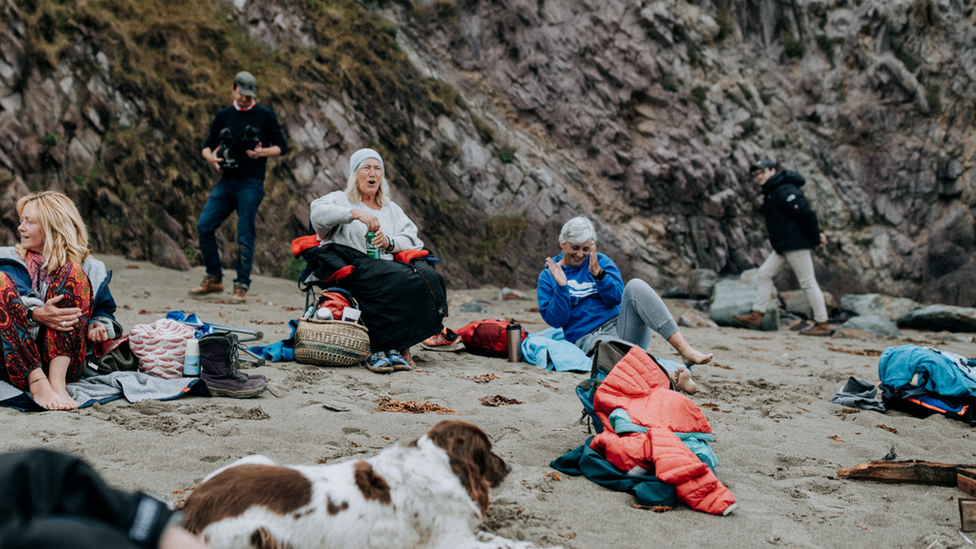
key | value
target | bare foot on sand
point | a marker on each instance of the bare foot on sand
(408, 357)
(682, 380)
(56, 380)
(47, 397)
(68, 402)
(689, 354)
(692, 356)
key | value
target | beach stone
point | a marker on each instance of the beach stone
(675, 292)
(473, 307)
(167, 253)
(736, 297)
(940, 317)
(459, 299)
(508, 294)
(693, 318)
(876, 325)
(701, 282)
(877, 304)
(796, 302)
(852, 333)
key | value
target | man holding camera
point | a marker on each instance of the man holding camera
(236, 148)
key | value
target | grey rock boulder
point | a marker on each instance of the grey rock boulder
(473, 307)
(675, 292)
(876, 325)
(701, 282)
(167, 253)
(693, 318)
(940, 317)
(736, 297)
(889, 307)
(796, 302)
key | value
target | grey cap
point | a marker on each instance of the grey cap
(763, 164)
(246, 84)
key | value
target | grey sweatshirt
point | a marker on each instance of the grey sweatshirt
(331, 220)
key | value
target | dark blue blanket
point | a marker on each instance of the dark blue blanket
(647, 489)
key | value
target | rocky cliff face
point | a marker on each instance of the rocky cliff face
(502, 119)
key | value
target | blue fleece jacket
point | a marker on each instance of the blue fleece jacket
(583, 303)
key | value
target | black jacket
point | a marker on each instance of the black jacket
(269, 133)
(53, 500)
(402, 304)
(792, 225)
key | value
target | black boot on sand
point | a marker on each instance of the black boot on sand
(218, 368)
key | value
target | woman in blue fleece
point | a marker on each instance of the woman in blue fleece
(582, 292)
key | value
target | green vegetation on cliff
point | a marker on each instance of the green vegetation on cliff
(175, 60)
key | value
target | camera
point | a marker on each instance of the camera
(232, 149)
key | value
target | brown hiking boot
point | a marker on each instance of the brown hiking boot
(752, 320)
(239, 296)
(819, 329)
(210, 284)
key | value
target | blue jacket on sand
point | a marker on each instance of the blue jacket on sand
(584, 303)
(910, 367)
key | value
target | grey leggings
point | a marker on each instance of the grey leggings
(641, 311)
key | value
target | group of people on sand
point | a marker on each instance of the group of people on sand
(55, 301)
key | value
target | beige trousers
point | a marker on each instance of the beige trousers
(802, 264)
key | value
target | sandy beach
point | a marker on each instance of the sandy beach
(779, 439)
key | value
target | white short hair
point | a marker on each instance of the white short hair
(577, 231)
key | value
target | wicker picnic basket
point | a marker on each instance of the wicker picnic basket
(330, 343)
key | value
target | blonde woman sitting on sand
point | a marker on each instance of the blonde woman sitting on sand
(47, 301)
(582, 292)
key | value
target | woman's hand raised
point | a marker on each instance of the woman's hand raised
(556, 271)
(594, 261)
(56, 318)
(371, 221)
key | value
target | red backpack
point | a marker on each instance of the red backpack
(487, 337)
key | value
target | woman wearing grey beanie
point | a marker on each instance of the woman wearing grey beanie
(346, 217)
(366, 199)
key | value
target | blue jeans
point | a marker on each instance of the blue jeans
(244, 196)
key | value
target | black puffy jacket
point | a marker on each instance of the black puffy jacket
(402, 303)
(50, 499)
(792, 225)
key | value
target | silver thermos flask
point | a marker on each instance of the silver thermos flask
(514, 335)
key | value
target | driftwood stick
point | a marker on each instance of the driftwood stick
(967, 514)
(905, 472)
(966, 479)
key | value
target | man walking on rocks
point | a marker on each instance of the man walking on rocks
(793, 232)
(236, 148)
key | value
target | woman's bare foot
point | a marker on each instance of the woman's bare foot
(69, 403)
(689, 355)
(682, 380)
(57, 373)
(46, 398)
(696, 357)
(49, 398)
(408, 357)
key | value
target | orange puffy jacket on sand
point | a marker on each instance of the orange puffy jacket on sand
(638, 385)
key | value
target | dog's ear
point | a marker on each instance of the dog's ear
(469, 451)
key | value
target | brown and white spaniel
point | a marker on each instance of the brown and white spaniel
(429, 494)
